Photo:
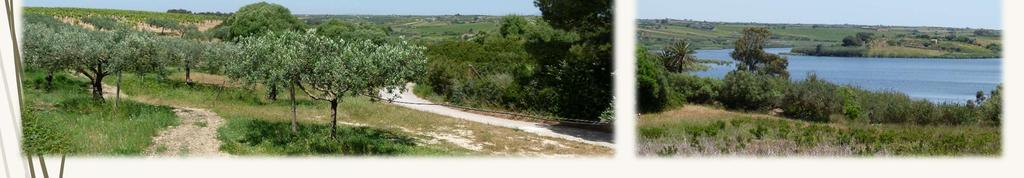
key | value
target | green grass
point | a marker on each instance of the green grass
(237, 104)
(717, 132)
(257, 137)
(67, 120)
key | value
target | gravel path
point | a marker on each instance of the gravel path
(568, 133)
(195, 136)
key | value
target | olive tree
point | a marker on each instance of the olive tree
(164, 23)
(338, 68)
(139, 53)
(256, 19)
(41, 48)
(273, 60)
(90, 55)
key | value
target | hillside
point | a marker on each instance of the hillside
(828, 40)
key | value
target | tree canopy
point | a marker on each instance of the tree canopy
(258, 18)
(750, 54)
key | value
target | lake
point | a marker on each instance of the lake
(937, 80)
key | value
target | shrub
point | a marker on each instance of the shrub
(748, 91)
(652, 89)
(694, 89)
(991, 109)
(851, 106)
(811, 99)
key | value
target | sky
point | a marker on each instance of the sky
(361, 7)
(943, 13)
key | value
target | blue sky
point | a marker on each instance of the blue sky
(945, 13)
(376, 7)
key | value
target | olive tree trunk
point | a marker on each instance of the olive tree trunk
(295, 121)
(334, 118)
(117, 97)
(273, 93)
(49, 80)
(188, 73)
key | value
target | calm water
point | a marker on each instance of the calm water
(937, 80)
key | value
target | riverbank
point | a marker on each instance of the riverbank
(696, 130)
(891, 52)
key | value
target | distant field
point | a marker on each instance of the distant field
(705, 131)
(129, 15)
(889, 41)
(423, 28)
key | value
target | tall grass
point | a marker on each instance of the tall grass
(65, 120)
(763, 136)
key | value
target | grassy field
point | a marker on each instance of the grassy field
(899, 41)
(423, 28)
(65, 119)
(128, 15)
(406, 132)
(705, 131)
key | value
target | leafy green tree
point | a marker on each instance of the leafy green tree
(164, 23)
(41, 48)
(750, 55)
(139, 53)
(259, 18)
(582, 74)
(513, 25)
(273, 59)
(590, 18)
(679, 58)
(339, 69)
(652, 87)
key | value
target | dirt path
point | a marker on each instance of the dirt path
(196, 135)
(573, 134)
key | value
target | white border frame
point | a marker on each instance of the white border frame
(624, 164)
(13, 164)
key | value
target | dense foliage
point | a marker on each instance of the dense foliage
(559, 66)
(259, 18)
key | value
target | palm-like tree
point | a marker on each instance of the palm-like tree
(679, 57)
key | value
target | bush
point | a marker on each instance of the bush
(748, 91)
(652, 89)
(694, 89)
(811, 99)
(991, 109)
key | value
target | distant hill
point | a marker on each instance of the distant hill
(828, 40)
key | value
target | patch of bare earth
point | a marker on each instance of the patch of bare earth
(76, 21)
(195, 136)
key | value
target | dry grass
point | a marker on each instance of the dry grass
(704, 131)
(427, 127)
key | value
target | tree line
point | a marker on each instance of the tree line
(761, 83)
(276, 52)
